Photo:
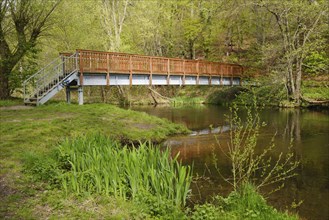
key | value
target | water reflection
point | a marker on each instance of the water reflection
(217, 130)
(306, 130)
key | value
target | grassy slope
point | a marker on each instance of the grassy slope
(40, 129)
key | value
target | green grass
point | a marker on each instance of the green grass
(39, 130)
(11, 102)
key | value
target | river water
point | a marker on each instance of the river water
(206, 146)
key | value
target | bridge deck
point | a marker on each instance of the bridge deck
(110, 68)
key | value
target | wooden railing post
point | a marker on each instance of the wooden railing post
(130, 71)
(81, 67)
(210, 73)
(221, 74)
(241, 72)
(108, 69)
(198, 72)
(231, 75)
(168, 71)
(151, 71)
(184, 72)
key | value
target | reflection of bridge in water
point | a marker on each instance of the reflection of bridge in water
(95, 68)
(216, 130)
(196, 138)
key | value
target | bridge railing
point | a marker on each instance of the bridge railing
(111, 62)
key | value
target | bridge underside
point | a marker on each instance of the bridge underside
(114, 79)
(120, 79)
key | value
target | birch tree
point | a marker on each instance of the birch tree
(114, 16)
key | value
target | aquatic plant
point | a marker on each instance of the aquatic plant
(102, 166)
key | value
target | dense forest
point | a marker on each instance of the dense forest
(286, 39)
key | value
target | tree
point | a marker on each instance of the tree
(21, 24)
(298, 22)
(114, 16)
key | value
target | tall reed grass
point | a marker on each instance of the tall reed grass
(96, 164)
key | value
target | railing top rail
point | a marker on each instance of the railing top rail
(155, 57)
(48, 65)
(37, 73)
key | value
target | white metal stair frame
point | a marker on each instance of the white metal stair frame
(48, 81)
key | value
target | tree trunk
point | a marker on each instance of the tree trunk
(298, 81)
(4, 82)
(290, 79)
(4, 87)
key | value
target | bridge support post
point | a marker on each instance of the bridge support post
(80, 95)
(68, 95)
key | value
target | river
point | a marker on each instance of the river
(309, 130)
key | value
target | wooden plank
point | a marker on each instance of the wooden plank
(221, 74)
(130, 72)
(184, 73)
(168, 72)
(108, 69)
(151, 71)
(198, 72)
(231, 75)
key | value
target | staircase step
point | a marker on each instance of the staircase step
(30, 103)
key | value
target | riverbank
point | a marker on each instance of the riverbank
(36, 132)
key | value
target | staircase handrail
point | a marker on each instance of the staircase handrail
(42, 69)
(47, 73)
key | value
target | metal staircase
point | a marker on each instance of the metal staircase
(48, 81)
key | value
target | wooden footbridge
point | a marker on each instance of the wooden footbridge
(95, 68)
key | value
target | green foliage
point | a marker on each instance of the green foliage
(267, 95)
(99, 165)
(225, 96)
(26, 67)
(244, 203)
(316, 62)
(42, 167)
(158, 208)
(184, 100)
(207, 211)
(316, 93)
(246, 162)
(268, 91)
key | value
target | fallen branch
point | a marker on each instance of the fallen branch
(159, 95)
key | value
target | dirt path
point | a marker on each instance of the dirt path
(16, 107)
